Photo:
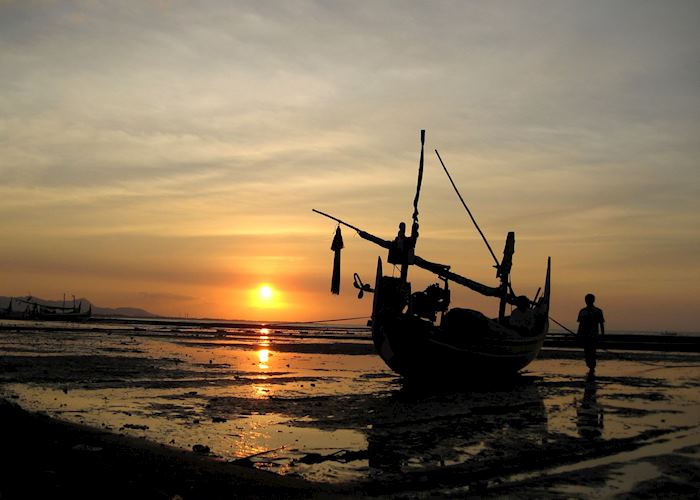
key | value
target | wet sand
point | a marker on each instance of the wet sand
(315, 412)
(49, 458)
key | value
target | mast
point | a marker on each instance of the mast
(402, 249)
(411, 241)
(504, 274)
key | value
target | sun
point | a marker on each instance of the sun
(266, 296)
(265, 293)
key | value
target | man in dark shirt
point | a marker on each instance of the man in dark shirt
(590, 324)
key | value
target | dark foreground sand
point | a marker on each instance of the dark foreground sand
(111, 413)
(47, 458)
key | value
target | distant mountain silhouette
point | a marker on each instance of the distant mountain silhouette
(133, 312)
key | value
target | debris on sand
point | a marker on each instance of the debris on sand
(342, 456)
(248, 462)
(134, 426)
(201, 448)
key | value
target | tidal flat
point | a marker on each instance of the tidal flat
(317, 405)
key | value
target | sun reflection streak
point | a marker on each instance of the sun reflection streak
(263, 358)
(261, 391)
(264, 351)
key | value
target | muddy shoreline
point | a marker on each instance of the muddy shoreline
(325, 414)
(51, 458)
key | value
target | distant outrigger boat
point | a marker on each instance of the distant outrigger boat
(405, 328)
(42, 312)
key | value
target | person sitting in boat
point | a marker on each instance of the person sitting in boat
(401, 251)
(522, 318)
(396, 252)
(428, 303)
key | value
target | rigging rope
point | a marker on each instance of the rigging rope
(483, 236)
(321, 321)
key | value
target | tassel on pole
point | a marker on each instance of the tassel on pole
(336, 246)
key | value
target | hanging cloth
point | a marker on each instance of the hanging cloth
(336, 246)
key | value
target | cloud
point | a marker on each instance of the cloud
(575, 124)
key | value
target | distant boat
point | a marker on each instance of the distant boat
(419, 336)
(36, 311)
(8, 312)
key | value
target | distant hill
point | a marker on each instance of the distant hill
(133, 312)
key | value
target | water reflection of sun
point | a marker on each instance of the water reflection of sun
(263, 351)
(263, 358)
(261, 391)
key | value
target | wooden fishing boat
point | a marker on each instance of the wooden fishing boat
(8, 312)
(418, 334)
(35, 311)
(57, 314)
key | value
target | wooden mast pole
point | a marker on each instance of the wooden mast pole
(414, 226)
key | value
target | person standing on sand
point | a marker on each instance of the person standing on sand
(590, 324)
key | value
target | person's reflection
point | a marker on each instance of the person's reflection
(589, 414)
(420, 428)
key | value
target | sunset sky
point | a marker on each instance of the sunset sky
(167, 154)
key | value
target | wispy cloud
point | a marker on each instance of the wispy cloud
(573, 123)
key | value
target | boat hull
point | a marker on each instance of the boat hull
(73, 317)
(421, 351)
(34, 311)
(462, 349)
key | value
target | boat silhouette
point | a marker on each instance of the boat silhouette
(418, 334)
(36, 311)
